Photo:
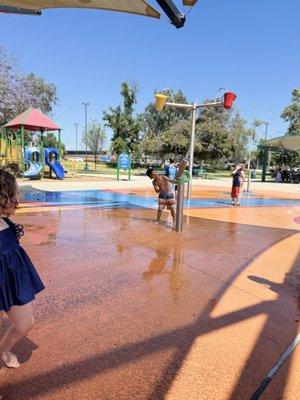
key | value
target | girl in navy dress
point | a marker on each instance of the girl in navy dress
(19, 281)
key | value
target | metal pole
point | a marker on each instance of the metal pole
(59, 147)
(42, 151)
(264, 168)
(191, 160)
(191, 106)
(22, 149)
(76, 129)
(266, 131)
(269, 154)
(179, 204)
(249, 174)
(248, 166)
(86, 167)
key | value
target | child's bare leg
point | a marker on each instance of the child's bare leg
(173, 213)
(159, 213)
(22, 320)
(161, 206)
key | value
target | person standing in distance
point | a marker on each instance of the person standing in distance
(238, 178)
(171, 171)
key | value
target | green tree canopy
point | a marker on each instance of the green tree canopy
(122, 121)
(118, 146)
(50, 139)
(166, 131)
(155, 122)
(94, 139)
(221, 134)
(291, 114)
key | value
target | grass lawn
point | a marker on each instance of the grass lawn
(107, 170)
(220, 174)
(100, 169)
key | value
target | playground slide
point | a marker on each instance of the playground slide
(34, 171)
(57, 168)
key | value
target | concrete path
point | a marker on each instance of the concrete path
(108, 181)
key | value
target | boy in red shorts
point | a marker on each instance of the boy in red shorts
(238, 178)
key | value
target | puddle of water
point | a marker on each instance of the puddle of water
(107, 199)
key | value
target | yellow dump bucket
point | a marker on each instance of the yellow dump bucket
(160, 101)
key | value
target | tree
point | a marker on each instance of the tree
(18, 92)
(174, 140)
(118, 146)
(220, 135)
(290, 158)
(94, 139)
(155, 122)
(166, 131)
(49, 139)
(40, 94)
(123, 123)
(291, 114)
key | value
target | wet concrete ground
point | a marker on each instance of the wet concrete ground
(133, 310)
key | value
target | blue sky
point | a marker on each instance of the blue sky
(251, 47)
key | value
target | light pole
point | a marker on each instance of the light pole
(251, 138)
(266, 136)
(86, 167)
(258, 122)
(266, 129)
(191, 163)
(76, 133)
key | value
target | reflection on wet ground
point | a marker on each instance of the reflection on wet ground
(133, 310)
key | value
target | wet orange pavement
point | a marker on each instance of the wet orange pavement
(133, 310)
(216, 192)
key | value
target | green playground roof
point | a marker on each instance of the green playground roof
(288, 142)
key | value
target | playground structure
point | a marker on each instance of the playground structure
(31, 160)
(52, 160)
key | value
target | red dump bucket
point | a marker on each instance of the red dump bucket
(229, 98)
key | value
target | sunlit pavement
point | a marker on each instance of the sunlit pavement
(133, 310)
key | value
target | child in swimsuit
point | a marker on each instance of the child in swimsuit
(163, 186)
(238, 179)
(19, 281)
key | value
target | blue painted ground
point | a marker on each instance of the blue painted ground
(107, 199)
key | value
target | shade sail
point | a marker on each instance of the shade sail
(33, 120)
(129, 6)
(288, 142)
(189, 3)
